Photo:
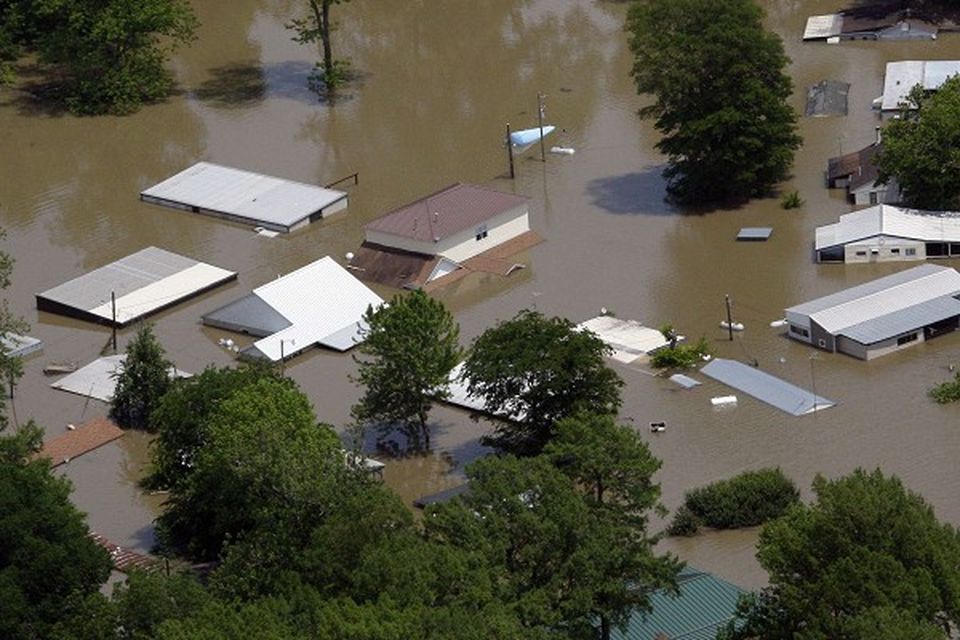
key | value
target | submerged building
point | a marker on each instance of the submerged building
(885, 233)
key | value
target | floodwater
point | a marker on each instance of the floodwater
(437, 82)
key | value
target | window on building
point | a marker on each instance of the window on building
(895, 252)
(800, 331)
(874, 252)
(481, 232)
(910, 337)
(861, 253)
(936, 249)
(955, 249)
(911, 252)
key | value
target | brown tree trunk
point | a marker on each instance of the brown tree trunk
(327, 49)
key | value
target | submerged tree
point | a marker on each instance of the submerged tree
(11, 367)
(411, 346)
(328, 74)
(720, 96)
(141, 382)
(921, 150)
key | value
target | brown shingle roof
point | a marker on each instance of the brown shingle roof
(446, 212)
(86, 437)
(858, 165)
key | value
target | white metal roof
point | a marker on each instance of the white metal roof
(765, 387)
(873, 300)
(903, 75)
(254, 197)
(324, 304)
(823, 27)
(460, 396)
(99, 378)
(144, 282)
(628, 338)
(17, 346)
(890, 221)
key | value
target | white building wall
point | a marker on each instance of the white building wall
(463, 245)
(882, 250)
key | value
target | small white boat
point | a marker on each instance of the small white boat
(779, 323)
(563, 151)
(723, 401)
(736, 326)
(526, 137)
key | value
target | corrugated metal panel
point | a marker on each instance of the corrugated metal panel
(888, 220)
(266, 200)
(628, 337)
(903, 321)
(765, 387)
(704, 604)
(99, 378)
(755, 233)
(823, 27)
(143, 282)
(323, 303)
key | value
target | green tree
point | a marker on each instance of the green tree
(865, 544)
(539, 370)
(317, 27)
(113, 51)
(266, 465)
(181, 419)
(11, 367)
(720, 96)
(141, 382)
(47, 558)
(921, 150)
(411, 345)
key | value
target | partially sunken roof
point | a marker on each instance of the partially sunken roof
(765, 387)
(871, 301)
(142, 283)
(858, 165)
(320, 303)
(274, 203)
(827, 98)
(446, 213)
(904, 75)
(890, 221)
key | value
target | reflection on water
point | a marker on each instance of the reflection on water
(437, 88)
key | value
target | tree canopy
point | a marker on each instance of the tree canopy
(865, 553)
(539, 370)
(141, 382)
(720, 96)
(411, 345)
(317, 27)
(921, 150)
(11, 367)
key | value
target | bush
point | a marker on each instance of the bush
(746, 500)
(791, 200)
(681, 356)
(946, 392)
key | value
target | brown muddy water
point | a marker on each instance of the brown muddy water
(438, 81)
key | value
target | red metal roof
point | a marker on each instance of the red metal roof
(446, 212)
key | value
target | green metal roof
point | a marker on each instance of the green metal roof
(704, 605)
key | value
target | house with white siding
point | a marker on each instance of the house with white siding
(885, 233)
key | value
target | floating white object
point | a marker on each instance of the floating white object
(779, 323)
(266, 233)
(658, 427)
(736, 326)
(349, 256)
(563, 151)
(526, 137)
(723, 401)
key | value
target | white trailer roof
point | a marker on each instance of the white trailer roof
(99, 378)
(888, 220)
(275, 203)
(628, 338)
(143, 283)
(323, 303)
(904, 75)
(823, 27)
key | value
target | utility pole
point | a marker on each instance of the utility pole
(726, 299)
(540, 97)
(510, 151)
(813, 381)
(113, 309)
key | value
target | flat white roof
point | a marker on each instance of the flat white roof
(628, 338)
(99, 378)
(323, 302)
(893, 222)
(243, 195)
(904, 75)
(143, 283)
(823, 27)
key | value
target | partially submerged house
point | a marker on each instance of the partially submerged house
(460, 228)
(246, 197)
(857, 173)
(133, 287)
(854, 25)
(902, 76)
(318, 304)
(885, 233)
(827, 98)
(883, 315)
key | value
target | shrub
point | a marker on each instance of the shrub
(685, 523)
(791, 200)
(946, 392)
(681, 356)
(746, 500)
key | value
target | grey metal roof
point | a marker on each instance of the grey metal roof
(249, 314)
(704, 604)
(17, 346)
(755, 233)
(827, 98)
(880, 297)
(903, 321)
(684, 381)
(247, 196)
(765, 387)
(144, 282)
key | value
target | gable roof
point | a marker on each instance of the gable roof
(704, 604)
(903, 75)
(871, 301)
(888, 220)
(446, 213)
(859, 165)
